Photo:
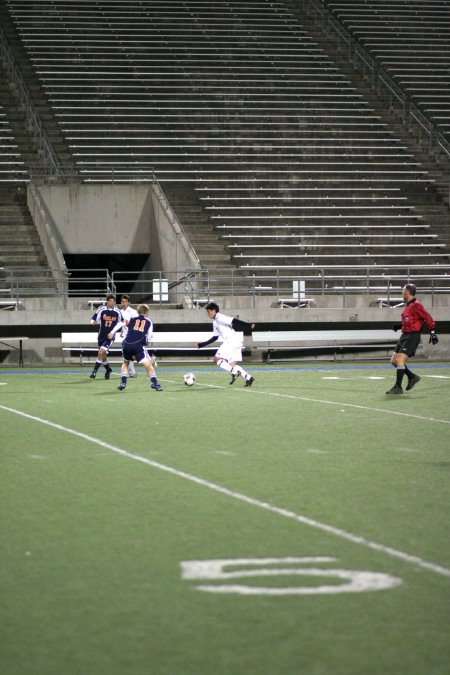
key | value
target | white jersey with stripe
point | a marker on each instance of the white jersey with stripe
(128, 314)
(222, 327)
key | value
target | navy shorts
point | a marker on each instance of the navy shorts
(137, 354)
(408, 344)
(106, 344)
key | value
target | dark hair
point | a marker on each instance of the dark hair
(411, 288)
(110, 295)
(125, 297)
(212, 305)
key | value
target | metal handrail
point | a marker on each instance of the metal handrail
(32, 115)
(381, 77)
(188, 286)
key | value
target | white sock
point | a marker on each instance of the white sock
(243, 372)
(224, 365)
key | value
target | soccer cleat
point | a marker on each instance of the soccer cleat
(108, 374)
(93, 375)
(249, 382)
(395, 390)
(157, 387)
(412, 382)
(121, 386)
(234, 377)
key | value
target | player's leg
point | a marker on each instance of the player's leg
(224, 357)
(104, 349)
(146, 361)
(97, 364)
(237, 369)
(398, 361)
(221, 360)
(413, 343)
(124, 374)
(413, 379)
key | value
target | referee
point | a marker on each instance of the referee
(414, 316)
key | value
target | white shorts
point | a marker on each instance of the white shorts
(230, 351)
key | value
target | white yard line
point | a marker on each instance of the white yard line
(255, 390)
(353, 405)
(304, 520)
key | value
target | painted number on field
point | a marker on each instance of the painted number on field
(239, 569)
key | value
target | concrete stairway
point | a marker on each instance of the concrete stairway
(27, 143)
(25, 269)
(198, 227)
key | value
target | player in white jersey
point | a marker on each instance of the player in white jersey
(128, 312)
(229, 353)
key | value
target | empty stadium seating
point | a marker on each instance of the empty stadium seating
(410, 39)
(12, 168)
(293, 167)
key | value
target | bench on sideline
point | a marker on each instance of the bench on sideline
(85, 344)
(295, 340)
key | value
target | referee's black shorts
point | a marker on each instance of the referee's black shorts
(408, 344)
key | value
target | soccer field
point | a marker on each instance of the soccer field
(296, 527)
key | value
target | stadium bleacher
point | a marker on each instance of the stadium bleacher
(284, 153)
(411, 40)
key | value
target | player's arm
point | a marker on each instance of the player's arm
(244, 326)
(94, 319)
(116, 328)
(425, 316)
(207, 342)
(430, 322)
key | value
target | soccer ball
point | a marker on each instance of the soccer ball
(189, 379)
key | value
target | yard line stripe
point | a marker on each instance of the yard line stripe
(325, 401)
(353, 405)
(304, 520)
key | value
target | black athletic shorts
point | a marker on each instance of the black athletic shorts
(408, 343)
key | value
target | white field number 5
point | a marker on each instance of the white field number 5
(354, 581)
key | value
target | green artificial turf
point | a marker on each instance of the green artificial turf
(104, 495)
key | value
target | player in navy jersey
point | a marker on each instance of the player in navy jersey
(128, 312)
(414, 318)
(134, 346)
(107, 317)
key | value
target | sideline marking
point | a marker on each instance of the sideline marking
(319, 400)
(304, 520)
(351, 405)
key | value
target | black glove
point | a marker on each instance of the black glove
(433, 337)
(396, 326)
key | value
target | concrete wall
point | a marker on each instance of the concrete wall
(41, 350)
(100, 218)
(171, 250)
